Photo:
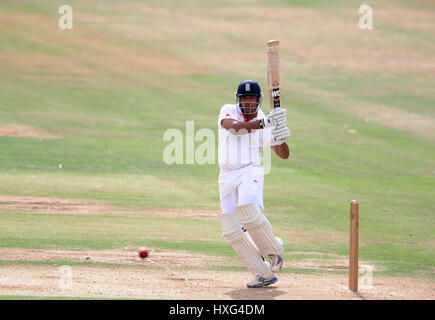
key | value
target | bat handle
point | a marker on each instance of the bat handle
(275, 96)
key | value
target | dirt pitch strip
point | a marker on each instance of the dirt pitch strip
(180, 275)
(18, 130)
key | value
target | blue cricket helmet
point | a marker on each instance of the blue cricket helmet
(249, 88)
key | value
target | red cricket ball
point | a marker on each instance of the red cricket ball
(143, 253)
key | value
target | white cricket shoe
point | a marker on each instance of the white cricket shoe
(259, 282)
(275, 262)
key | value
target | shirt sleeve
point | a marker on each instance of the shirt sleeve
(226, 113)
(267, 138)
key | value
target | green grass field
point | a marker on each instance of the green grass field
(360, 107)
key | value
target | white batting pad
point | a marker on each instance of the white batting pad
(248, 254)
(248, 236)
(259, 228)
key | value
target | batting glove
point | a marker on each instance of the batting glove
(279, 142)
(281, 133)
(276, 118)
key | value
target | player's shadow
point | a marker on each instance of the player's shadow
(266, 293)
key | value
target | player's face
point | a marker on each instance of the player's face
(249, 103)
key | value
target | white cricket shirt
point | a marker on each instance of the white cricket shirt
(238, 151)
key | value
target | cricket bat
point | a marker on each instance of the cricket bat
(273, 74)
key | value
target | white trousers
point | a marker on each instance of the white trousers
(241, 186)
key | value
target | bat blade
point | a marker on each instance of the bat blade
(273, 73)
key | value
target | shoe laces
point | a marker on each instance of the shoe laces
(259, 278)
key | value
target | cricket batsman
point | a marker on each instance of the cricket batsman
(244, 131)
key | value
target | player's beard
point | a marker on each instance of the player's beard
(249, 108)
